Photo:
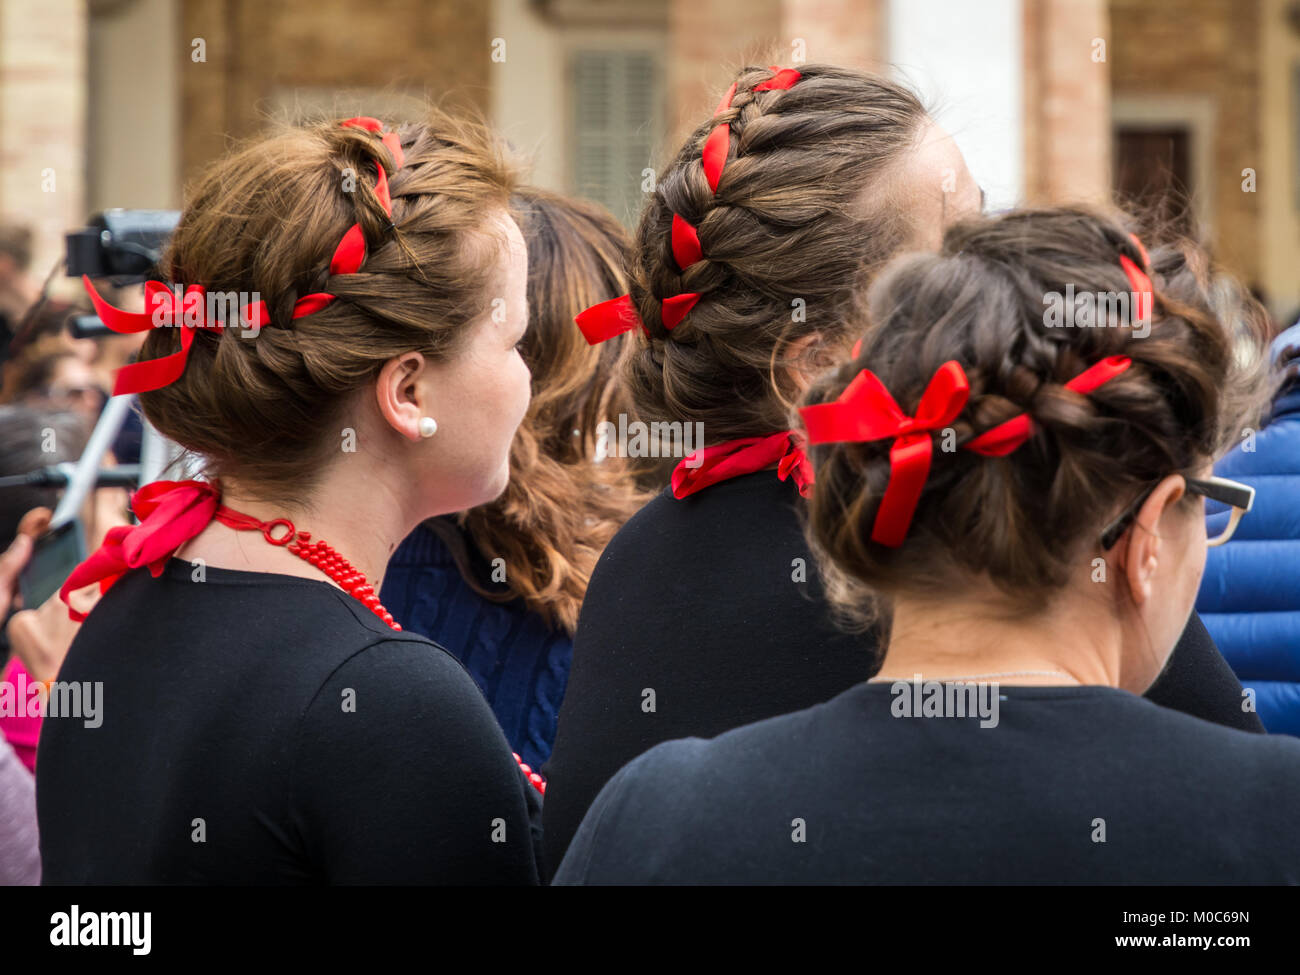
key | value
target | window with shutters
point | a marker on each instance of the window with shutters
(615, 121)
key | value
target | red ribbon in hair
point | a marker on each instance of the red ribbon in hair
(1138, 279)
(1002, 439)
(866, 411)
(190, 312)
(170, 513)
(614, 317)
(724, 461)
(607, 319)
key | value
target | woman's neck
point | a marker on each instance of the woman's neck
(954, 639)
(364, 518)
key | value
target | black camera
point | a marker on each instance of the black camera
(122, 244)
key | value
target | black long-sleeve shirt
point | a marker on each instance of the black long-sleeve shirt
(258, 728)
(1066, 785)
(694, 624)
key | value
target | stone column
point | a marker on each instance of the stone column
(43, 121)
(1067, 101)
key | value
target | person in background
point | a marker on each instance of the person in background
(1250, 595)
(44, 332)
(501, 585)
(1004, 739)
(20, 859)
(38, 637)
(20, 856)
(18, 289)
(62, 381)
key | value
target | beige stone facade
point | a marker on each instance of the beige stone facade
(138, 121)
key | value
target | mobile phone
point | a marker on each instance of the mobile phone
(56, 554)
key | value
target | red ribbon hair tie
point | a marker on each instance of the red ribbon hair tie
(1138, 280)
(608, 319)
(723, 461)
(866, 411)
(1002, 439)
(614, 317)
(190, 312)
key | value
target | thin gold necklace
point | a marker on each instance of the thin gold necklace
(1005, 673)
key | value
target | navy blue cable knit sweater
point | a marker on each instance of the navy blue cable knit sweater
(518, 661)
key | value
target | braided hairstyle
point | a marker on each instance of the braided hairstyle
(802, 213)
(266, 220)
(1026, 520)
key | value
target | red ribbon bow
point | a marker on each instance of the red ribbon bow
(866, 411)
(723, 461)
(190, 313)
(170, 513)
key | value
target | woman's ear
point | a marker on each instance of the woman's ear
(1142, 548)
(397, 393)
(801, 360)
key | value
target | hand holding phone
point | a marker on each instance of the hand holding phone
(15, 558)
(55, 555)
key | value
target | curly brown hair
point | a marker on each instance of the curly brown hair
(561, 507)
(1024, 520)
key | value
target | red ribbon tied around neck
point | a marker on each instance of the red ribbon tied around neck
(866, 411)
(723, 461)
(170, 513)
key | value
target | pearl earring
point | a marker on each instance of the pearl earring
(428, 426)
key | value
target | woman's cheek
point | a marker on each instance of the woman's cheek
(524, 386)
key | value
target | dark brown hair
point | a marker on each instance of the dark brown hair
(266, 220)
(1025, 520)
(788, 242)
(25, 433)
(561, 508)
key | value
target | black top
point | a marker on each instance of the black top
(695, 600)
(259, 728)
(1070, 785)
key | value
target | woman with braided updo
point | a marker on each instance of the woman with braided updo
(336, 344)
(1024, 503)
(706, 611)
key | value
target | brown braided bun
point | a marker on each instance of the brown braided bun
(267, 219)
(1026, 520)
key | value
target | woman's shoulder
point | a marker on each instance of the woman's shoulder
(725, 519)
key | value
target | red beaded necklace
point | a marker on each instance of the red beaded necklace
(322, 555)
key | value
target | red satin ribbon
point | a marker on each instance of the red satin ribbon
(616, 316)
(170, 513)
(190, 313)
(866, 411)
(1002, 439)
(724, 461)
(607, 319)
